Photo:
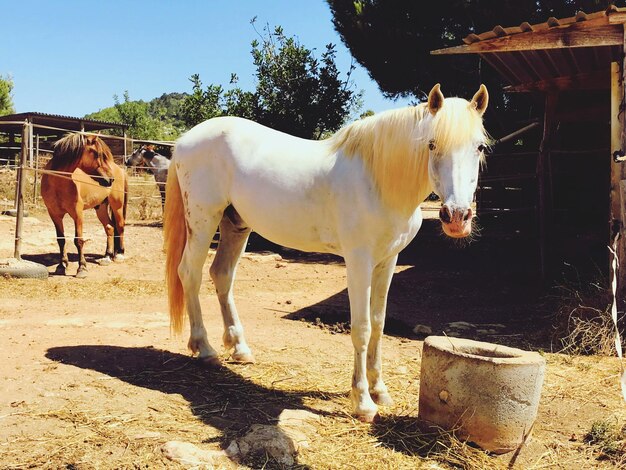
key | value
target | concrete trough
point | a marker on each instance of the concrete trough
(486, 393)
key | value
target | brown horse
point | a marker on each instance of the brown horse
(87, 178)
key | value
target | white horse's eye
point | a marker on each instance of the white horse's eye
(431, 145)
(482, 148)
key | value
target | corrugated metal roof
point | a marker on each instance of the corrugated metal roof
(566, 53)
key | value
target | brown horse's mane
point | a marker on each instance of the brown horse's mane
(69, 149)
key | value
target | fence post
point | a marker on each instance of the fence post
(20, 192)
(36, 173)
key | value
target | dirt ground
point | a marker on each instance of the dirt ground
(92, 377)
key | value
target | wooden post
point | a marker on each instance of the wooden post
(36, 173)
(618, 175)
(20, 193)
(30, 144)
(543, 171)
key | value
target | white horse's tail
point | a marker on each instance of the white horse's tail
(175, 239)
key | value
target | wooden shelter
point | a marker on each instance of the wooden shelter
(576, 66)
(44, 129)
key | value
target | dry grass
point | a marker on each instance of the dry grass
(208, 408)
(144, 199)
(101, 290)
(167, 396)
(583, 323)
(608, 440)
(7, 188)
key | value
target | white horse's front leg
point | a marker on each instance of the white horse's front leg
(359, 267)
(381, 279)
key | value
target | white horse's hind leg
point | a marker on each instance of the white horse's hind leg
(381, 279)
(232, 244)
(359, 269)
(190, 272)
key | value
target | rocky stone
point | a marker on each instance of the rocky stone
(297, 425)
(191, 456)
(264, 439)
(281, 441)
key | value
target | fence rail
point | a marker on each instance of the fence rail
(20, 178)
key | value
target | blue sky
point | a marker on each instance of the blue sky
(70, 57)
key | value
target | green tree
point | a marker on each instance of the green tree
(201, 104)
(295, 92)
(158, 119)
(6, 100)
(107, 114)
(135, 114)
(393, 39)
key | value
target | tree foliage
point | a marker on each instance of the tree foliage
(295, 92)
(202, 104)
(6, 100)
(393, 39)
(158, 119)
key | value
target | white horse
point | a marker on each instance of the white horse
(356, 194)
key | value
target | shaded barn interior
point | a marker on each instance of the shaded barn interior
(555, 186)
(570, 223)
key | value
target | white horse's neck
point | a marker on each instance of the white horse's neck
(394, 148)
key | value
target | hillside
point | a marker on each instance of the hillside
(159, 118)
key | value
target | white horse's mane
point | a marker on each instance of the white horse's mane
(394, 146)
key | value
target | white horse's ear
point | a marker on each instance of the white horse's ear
(435, 99)
(480, 100)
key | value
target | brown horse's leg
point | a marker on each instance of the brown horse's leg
(103, 215)
(57, 220)
(118, 200)
(119, 222)
(79, 241)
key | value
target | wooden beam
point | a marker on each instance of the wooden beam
(618, 17)
(583, 34)
(583, 81)
(544, 181)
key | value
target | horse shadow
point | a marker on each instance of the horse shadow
(51, 260)
(219, 397)
(484, 284)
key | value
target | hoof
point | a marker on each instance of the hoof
(211, 362)
(119, 258)
(383, 399)
(364, 408)
(243, 358)
(366, 417)
(104, 261)
(81, 274)
(60, 270)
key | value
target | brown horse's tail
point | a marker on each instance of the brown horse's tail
(175, 239)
